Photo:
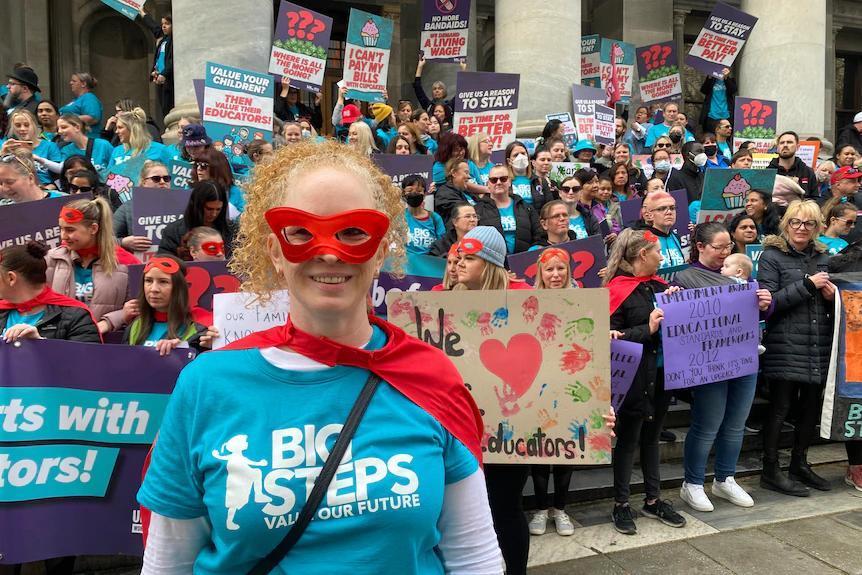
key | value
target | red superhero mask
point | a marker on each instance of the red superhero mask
(71, 215)
(471, 246)
(213, 248)
(352, 236)
(550, 253)
(166, 265)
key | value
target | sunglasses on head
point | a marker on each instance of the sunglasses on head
(9, 158)
(83, 189)
(159, 179)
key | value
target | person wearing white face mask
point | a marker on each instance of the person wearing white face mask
(690, 175)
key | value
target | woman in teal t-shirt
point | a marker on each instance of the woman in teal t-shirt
(840, 218)
(85, 105)
(134, 138)
(25, 133)
(74, 131)
(479, 149)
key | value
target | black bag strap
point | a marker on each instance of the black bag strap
(89, 152)
(268, 563)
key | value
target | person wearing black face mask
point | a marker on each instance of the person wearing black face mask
(690, 176)
(710, 148)
(423, 227)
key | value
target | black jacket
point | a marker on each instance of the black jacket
(168, 41)
(706, 90)
(543, 191)
(849, 136)
(63, 322)
(528, 230)
(282, 113)
(447, 197)
(632, 319)
(440, 248)
(802, 174)
(798, 336)
(172, 237)
(591, 224)
(687, 178)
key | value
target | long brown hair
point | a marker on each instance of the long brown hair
(179, 311)
(98, 211)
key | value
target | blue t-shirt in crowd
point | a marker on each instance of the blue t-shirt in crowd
(121, 154)
(101, 157)
(246, 456)
(438, 173)
(49, 151)
(721, 162)
(159, 331)
(160, 60)
(724, 150)
(480, 175)
(15, 318)
(835, 245)
(431, 144)
(86, 104)
(718, 104)
(509, 224)
(521, 188)
(660, 130)
(170, 154)
(577, 225)
(83, 283)
(693, 209)
(422, 234)
(671, 251)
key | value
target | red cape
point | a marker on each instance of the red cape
(125, 257)
(50, 297)
(621, 287)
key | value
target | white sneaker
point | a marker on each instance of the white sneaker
(695, 496)
(729, 489)
(539, 523)
(564, 525)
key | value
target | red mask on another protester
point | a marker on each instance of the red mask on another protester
(213, 248)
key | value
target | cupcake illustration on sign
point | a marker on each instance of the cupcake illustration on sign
(370, 33)
(735, 191)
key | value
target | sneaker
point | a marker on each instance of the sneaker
(695, 497)
(667, 436)
(729, 489)
(753, 426)
(664, 512)
(539, 523)
(624, 519)
(564, 525)
(853, 477)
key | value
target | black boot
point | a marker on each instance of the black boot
(773, 479)
(801, 471)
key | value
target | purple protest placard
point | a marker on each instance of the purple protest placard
(204, 278)
(299, 46)
(420, 274)
(755, 120)
(584, 101)
(397, 167)
(37, 220)
(487, 102)
(445, 25)
(85, 502)
(155, 208)
(658, 69)
(709, 334)
(200, 86)
(588, 257)
(603, 118)
(720, 40)
(625, 359)
(630, 210)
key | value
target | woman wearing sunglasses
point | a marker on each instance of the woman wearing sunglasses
(153, 175)
(840, 217)
(581, 222)
(83, 181)
(18, 180)
(509, 213)
(252, 437)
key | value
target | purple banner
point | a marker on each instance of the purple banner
(584, 102)
(445, 24)
(200, 86)
(625, 359)
(658, 70)
(154, 208)
(421, 274)
(720, 40)
(204, 278)
(755, 120)
(36, 220)
(70, 488)
(487, 102)
(604, 124)
(397, 167)
(709, 334)
(300, 45)
(630, 210)
(588, 257)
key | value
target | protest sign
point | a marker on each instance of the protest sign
(128, 8)
(181, 174)
(152, 210)
(658, 69)
(668, 274)
(588, 257)
(420, 274)
(487, 102)
(724, 191)
(720, 40)
(237, 109)
(620, 67)
(807, 151)
(603, 124)
(754, 251)
(841, 417)
(445, 25)
(398, 167)
(536, 362)
(591, 73)
(300, 45)
(680, 225)
(205, 279)
(200, 85)
(584, 100)
(20, 223)
(72, 457)
(759, 119)
(562, 170)
(625, 360)
(643, 162)
(709, 334)
(630, 211)
(760, 161)
(124, 176)
(366, 61)
(236, 318)
(570, 133)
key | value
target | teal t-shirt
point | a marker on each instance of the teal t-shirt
(15, 318)
(509, 224)
(160, 60)
(480, 175)
(49, 151)
(159, 331)
(101, 156)
(121, 154)
(718, 104)
(438, 173)
(83, 283)
(242, 442)
(671, 251)
(86, 104)
(521, 188)
(422, 234)
(835, 245)
(577, 225)
(171, 154)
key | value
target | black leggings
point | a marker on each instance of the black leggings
(505, 488)
(782, 394)
(854, 452)
(541, 480)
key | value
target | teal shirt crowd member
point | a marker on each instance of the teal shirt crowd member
(85, 103)
(423, 227)
(100, 155)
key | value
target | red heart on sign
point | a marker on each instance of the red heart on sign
(516, 364)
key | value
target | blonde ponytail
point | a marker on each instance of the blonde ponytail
(99, 211)
(625, 251)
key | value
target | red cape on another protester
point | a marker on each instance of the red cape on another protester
(49, 297)
(125, 257)
(621, 287)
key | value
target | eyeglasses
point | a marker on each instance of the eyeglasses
(660, 146)
(664, 209)
(557, 217)
(467, 217)
(202, 165)
(850, 223)
(9, 158)
(570, 189)
(159, 179)
(796, 223)
(82, 189)
(501, 179)
(727, 248)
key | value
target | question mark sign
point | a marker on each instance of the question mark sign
(665, 52)
(767, 111)
(319, 26)
(746, 110)
(584, 261)
(306, 18)
(756, 106)
(647, 56)
(656, 52)
(292, 19)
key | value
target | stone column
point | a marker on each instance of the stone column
(783, 60)
(679, 17)
(830, 129)
(209, 30)
(522, 41)
(62, 52)
(395, 78)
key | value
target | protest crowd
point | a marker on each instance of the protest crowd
(637, 203)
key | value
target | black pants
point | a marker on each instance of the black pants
(541, 480)
(782, 394)
(505, 488)
(165, 100)
(854, 452)
(631, 430)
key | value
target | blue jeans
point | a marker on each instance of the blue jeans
(718, 416)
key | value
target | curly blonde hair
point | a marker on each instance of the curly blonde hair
(270, 182)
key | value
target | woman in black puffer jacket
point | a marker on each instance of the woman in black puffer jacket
(798, 341)
(514, 218)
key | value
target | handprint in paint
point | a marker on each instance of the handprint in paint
(501, 317)
(508, 401)
(596, 419)
(575, 359)
(578, 428)
(579, 393)
(583, 326)
(508, 430)
(547, 329)
(484, 322)
(546, 422)
(398, 307)
(470, 319)
(600, 390)
(601, 446)
(531, 308)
